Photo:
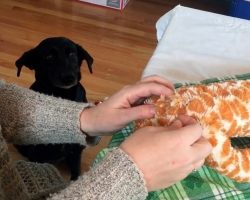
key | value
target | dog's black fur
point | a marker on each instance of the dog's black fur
(56, 62)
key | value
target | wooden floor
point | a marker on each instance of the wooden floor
(121, 43)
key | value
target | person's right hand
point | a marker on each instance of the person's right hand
(166, 155)
(124, 106)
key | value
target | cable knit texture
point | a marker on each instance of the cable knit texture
(122, 181)
(32, 118)
(27, 118)
(22, 180)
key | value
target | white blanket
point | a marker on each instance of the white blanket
(194, 45)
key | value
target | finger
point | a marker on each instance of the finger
(186, 120)
(148, 111)
(146, 90)
(175, 124)
(201, 148)
(189, 134)
(136, 113)
(158, 79)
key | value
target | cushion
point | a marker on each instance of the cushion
(194, 45)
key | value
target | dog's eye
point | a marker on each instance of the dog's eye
(72, 54)
(49, 57)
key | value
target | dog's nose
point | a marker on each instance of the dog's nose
(68, 79)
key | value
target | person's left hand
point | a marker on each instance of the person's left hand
(121, 108)
(166, 155)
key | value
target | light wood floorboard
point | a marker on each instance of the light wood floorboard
(121, 42)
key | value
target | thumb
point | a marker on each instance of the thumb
(190, 133)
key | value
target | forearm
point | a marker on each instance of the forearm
(114, 178)
(29, 117)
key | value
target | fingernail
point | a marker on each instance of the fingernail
(176, 123)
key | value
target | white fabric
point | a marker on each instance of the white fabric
(194, 45)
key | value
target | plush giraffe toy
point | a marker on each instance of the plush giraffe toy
(223, 110)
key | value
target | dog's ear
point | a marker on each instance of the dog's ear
(28, 59)
(83, 54)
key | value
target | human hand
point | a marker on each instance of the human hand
(121, 108)
(166, 155)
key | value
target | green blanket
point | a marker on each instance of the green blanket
(205, 183)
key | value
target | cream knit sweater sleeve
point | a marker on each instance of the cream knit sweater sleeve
(115, 178)
(30, 117)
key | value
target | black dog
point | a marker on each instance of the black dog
(56, 62)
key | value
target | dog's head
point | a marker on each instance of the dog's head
(56, 61)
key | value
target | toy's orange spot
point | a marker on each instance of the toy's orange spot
(225, 111)
(208, 100)
(196, 105)
(226, 148)
(245, 160)
(221, 91)
(233, 106)
(242, 110)
(211, 119)
(213, 141)
(229, 161)
(232, 130)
